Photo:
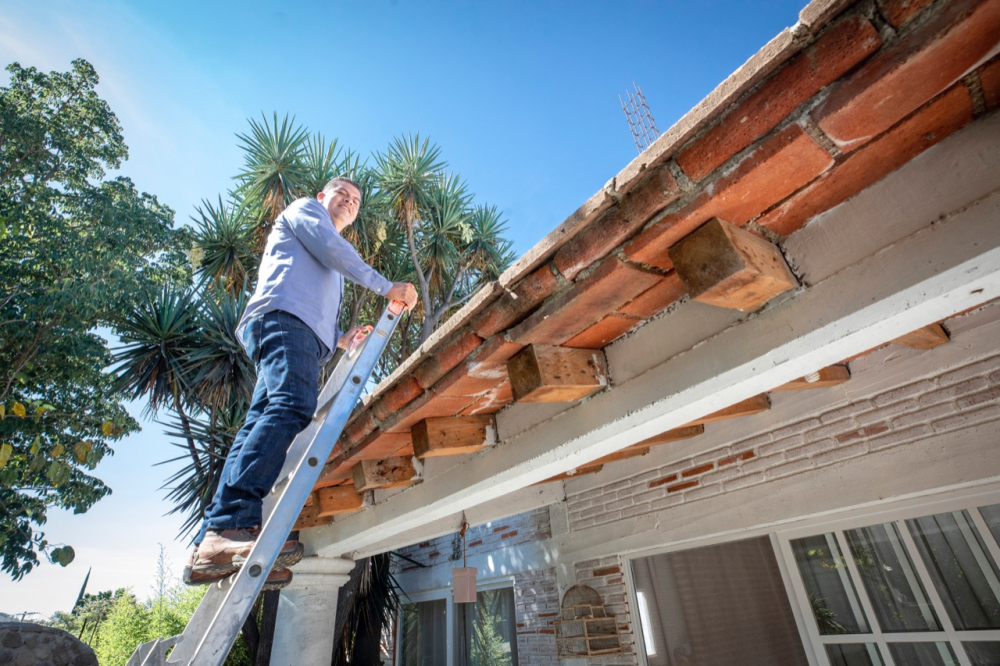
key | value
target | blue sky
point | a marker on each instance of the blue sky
(522, 98)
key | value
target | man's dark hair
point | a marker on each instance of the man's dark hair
(332, 185)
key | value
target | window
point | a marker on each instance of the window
(906, 586)
(487, 632)
(723, 604)
(423, 633)
(435, 631)
(921, 591)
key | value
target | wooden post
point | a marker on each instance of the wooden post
(541, 373)
(337, 500)
(450, 436)
(726, 266)
(388, 473)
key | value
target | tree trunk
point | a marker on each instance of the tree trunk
(269, 615)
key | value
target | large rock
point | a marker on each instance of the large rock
(26, 644)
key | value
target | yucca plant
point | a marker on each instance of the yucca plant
(158, 335)
(224, 250)
(274, 173)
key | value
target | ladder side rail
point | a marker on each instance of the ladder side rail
(214, 639)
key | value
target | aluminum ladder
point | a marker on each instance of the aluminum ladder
(216, 623)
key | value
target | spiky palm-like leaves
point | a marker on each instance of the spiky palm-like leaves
(274, 173)
(192, 486)
(182, 353)
(158, 334)
(222, 376)
(224, 249)
(408, 171)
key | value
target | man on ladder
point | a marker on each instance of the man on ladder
(289, 329)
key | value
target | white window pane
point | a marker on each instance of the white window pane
(425, 636)
(991, 514)
(894, 589)
(824, 572)
(854, 654)
(923, 654)
(983, 653)
(963, 573)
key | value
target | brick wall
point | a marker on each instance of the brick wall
(536, 605)
(522, 528)
(606, 576)
(912, 410)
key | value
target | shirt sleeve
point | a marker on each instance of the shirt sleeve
(313, 228)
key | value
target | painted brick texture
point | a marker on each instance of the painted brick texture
(606, 575)
(958, 398)
(536, 605)
(511, 531)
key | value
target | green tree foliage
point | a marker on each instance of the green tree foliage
(90, 611)
(488, 646)
(454, 246)
(126, 626)
(131, 622)
(75, 248)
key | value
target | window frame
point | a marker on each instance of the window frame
(949, 634)
(781, 533)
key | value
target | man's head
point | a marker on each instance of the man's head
(341, 197)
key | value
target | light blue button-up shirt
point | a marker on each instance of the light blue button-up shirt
(303, 269)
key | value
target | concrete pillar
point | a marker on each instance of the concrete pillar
(307, 611)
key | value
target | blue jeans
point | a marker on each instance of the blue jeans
(288, 356)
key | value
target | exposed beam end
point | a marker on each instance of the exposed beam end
(754, 405)
(388, 473)
(674, 435)
(541, 373)
(822, 378)
(565, 476)
(337, 500)
(926, 337)
(726, 266)
(309, 517)
(450, 436)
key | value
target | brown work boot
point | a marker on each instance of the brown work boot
(276, 579)
(225, 551)
(291, 551)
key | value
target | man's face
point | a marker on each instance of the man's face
(342, 204)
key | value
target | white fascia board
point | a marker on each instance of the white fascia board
(519, 501)
(946, 267)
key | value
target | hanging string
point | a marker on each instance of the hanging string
(465, 528)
